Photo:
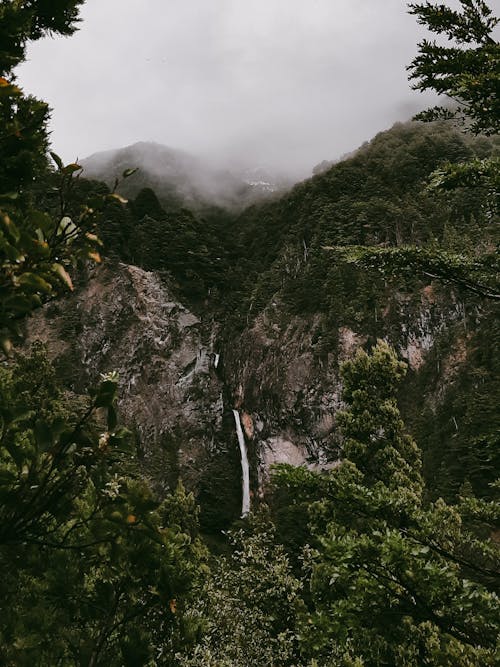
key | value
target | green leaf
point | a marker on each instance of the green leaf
(61, 272)
(66, 226)
(34, 282)
(6, 345)
(57, 160)
(72, 168)
(117, 197)
(10, 228)
(41, 220)
(10, 251)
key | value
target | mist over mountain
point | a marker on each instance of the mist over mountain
(184, 180)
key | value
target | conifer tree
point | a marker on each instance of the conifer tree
(466, 69)
(394, 580)
(96, 569)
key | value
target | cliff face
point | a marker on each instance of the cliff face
(180, 382)
(125, 319)
(281, 313)
(284, 373)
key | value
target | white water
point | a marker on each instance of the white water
(245, 506)
(216, 360)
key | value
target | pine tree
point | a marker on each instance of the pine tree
(393, 580)
(465, 70)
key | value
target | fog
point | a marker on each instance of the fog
(280, 83)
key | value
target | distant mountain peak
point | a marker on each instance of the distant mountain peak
(175, 173)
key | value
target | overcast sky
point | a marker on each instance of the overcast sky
(284, 83)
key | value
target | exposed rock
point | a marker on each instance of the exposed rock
(281, 374)
(126, 319)
(278, 449)
(285, 371)
(247, 424)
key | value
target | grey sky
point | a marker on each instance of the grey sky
(286, 83)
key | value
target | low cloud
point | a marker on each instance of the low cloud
(284, 83)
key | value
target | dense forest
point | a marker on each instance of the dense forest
(385, 554)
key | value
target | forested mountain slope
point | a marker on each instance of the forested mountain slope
(282, 311)
(379, 196)
(181, 179)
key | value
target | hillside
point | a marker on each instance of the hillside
(180, 179)
(282, 313)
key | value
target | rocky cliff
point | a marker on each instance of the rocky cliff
(125, 319)
(181, 378)
(284, 373)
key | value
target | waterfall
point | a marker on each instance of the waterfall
(245, 506)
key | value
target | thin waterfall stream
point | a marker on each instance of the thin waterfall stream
(245, 505)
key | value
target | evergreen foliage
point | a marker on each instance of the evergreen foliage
(97, 569)
(465, 70)
(250, 603)
(281, 251)
(394, 580)
(391, 558)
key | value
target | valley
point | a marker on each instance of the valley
(260, 290)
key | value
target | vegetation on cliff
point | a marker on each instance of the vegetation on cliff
(393, 579)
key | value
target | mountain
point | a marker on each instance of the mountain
(251, 312)
(180, 179)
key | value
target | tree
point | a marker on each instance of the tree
(477, 275)
(394, 580)
(249, 605)
(96, 569)
(37, 246)
(467, 70)
(23, 119)
(29, 20)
